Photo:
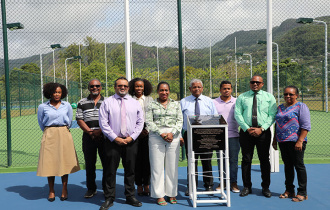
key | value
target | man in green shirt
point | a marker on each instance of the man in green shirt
(255, 112)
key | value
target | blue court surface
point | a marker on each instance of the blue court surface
(27, 191)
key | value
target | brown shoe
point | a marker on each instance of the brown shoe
(234, 188)
(219, 187)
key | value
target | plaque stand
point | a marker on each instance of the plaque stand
(193, 193)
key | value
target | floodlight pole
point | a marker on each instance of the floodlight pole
(235, 70)
(278, 73)
(106, 69)
(127, 42)
(41, 80)
(66, 74)
(157, 65)
(80, 74)
(7, 84)
(325, 62)
(210, 71)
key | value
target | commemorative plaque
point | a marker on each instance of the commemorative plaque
(208, 135)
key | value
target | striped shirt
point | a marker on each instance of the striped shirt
(88, 112)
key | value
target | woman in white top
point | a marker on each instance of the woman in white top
(140, 89)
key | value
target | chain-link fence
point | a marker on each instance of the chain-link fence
(220, 42)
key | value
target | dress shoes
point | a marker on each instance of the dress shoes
(133, 201)
(107, 204)
(51, 199)
(266, 192)
(187, 192)
(208, 188)
(90, 193)
(245, 191)
(64, 198)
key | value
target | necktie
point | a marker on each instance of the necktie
(123, 128)
(197, 109)
(254, 111)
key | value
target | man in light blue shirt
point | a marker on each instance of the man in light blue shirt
(206, 107)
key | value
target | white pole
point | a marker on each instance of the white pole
(106, 69)
(325, 62)
(41, 80)
(185, 72)
(278, 73)
(54, 62)
(127, 42)
(66, 80)
(235, 70)
(132, 60)
(157, 63)
(274, 155)
(80, 74)
(210, 71)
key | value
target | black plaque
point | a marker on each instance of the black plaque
(208, 139)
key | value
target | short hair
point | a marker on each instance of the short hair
(258, 75)
(50, 89)
(293, 87)
(225, 82)
(147, 86)
(120, 78)
(163, 83)
(194, 81)
(93, 80)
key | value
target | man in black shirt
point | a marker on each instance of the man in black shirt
(87, 117)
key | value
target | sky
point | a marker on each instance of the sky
(152, 22)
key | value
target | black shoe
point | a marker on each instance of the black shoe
(245, 191)
(209, 188)
(187, 192)
(90, 193)
(266, 192)
(107, 204)
(133, 201)
(51, 199)
(64, 198)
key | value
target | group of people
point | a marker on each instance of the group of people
(146, 135)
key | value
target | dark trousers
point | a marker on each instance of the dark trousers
(262, 143)
(113, 153)
(90, 148)
(142, 166)
(206, 165)
(294, 159)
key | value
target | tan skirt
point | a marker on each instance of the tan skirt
(57, 155)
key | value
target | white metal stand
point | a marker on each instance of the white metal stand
(193, 193)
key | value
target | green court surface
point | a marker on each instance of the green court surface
(26, 136)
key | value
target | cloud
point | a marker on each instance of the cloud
(152, 22)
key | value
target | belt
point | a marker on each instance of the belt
(56, 126)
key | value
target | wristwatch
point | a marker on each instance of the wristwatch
(262, 129)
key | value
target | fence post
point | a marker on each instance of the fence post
(302, 83)
(19, 94)
(322, 86)
(35, 99)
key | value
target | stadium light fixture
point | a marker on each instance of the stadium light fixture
(14, 26)
(311, 20)
(54, 47)
(5, 26)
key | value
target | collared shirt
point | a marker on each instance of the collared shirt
(48, 115)
(110, 117)
(89, 112)
(266, 109)
(188, 107)
(290, 120)
(227, 110)
(158, 116)
(144, 102)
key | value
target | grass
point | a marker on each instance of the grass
(26, 136)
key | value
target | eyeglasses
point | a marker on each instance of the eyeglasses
(288, 94)
(92, 86)
(252, 82)
(120, 86)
